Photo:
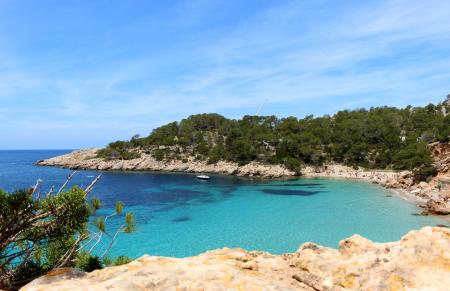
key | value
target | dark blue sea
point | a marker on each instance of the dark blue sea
(178, 215)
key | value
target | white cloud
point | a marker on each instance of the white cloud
(390, 52)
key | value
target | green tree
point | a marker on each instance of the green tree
(42, 231)
(379, 137)
(40, 234)
(412, 156)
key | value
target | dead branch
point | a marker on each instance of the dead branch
(50, 191)
(36, 186)
(70, 252)
(67, 181)
(91, 186)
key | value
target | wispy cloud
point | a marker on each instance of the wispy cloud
(303, 57)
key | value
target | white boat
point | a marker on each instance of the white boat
(203, 177)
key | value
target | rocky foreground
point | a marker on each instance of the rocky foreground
(419, 261)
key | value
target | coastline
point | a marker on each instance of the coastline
(86, 159)
(425, 195)
(409, 197)
(402, 193)
(312, 267)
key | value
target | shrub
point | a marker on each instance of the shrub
(88, 263)
(110, 153)
(159, 154)
(293, 165)
(122, 260)
(424, 173)
(413, 156)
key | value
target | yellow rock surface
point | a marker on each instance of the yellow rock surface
(419, 261)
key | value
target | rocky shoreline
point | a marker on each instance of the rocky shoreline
(433, 196)
(418, 261)
(86, 159)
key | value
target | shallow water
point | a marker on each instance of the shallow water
(178, 215)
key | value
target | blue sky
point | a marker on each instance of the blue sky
(79, 74)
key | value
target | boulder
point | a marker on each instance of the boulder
(437, 207)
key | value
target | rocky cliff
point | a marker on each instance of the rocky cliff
(419, 261)
(86, 159)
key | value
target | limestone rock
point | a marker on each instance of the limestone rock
(86, 159)
(251, 265)
(419, 261)
(213, 270)
(437, 206)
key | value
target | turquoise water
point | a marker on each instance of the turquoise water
(178, 215)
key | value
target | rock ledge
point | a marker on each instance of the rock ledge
(418, 261)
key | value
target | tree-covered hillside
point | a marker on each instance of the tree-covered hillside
(381, 137)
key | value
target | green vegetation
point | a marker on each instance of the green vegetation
(41, 232)
(89, 263)
(119, 150)
(382, 137)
